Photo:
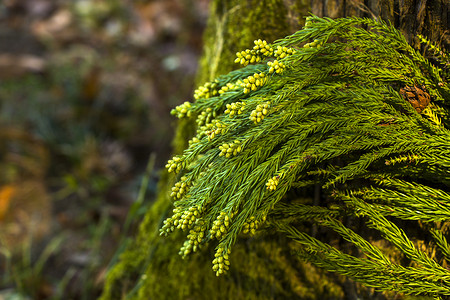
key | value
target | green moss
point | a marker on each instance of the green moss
(233, 26)
(262, 271)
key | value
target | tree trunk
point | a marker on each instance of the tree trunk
(150, 268)
(430, 18)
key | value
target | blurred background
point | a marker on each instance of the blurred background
(86, 87)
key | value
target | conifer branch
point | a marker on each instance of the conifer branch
(384, 277)
(346, 105)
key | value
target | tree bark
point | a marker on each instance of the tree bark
(430, 18)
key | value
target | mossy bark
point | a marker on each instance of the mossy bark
(234, 25)
(150, 267)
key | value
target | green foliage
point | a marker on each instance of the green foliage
(338, 109)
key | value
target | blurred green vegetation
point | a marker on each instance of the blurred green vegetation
(85, 92)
